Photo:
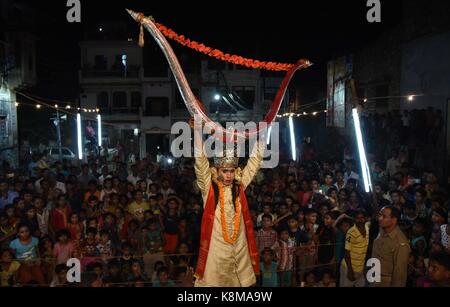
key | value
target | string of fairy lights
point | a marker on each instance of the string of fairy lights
(39, 106)
(62, 106)
(68, 110)
(67, 107)
(410, 98)
(358, 132)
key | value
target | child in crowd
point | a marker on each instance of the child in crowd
(126, 259)
(266, 236)
(269, 269)
(92, 207)
(153, 242)
(301, 218)
(310, 226)
(64, 248)
(310, 280)
(9, 269)
(97, 270)
(285, 250)
(88, 248)
(92, 191)
(163, 279)
(7, 231)
(26, 251)
(60, 278)
(327, 280)
(105, 249)
(136, 272)
(11, 214)
(418, 271)
(47, 261)
(158, 265)
(30, 220)
(75, 228)
(438, 218)
(114, 277)
(326, 236)
(418, 241)
(439, 269)
(308, 250)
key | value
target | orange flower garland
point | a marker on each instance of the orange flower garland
(215, 53)
(237, 218)
(220, 55)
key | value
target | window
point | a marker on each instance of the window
(100, 62)
(157, 106)
(245, 95)
(120, 62)
(216, 65)
(120, 100)
(136, 100)
(103, 100)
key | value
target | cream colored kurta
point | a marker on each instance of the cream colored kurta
(227, 265)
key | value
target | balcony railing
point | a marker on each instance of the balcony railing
(130, 72)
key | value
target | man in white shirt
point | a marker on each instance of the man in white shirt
(340, 180)
(349, 173)
(51, 181)
(166, 190)
(133, 177)
(393, 164)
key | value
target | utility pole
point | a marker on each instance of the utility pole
(57, 123)
(58, 128)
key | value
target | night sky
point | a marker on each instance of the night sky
(283, 31)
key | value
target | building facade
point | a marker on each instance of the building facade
(17, 71)
(139, 103)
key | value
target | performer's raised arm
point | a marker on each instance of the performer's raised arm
(254, 162)
(202, 170)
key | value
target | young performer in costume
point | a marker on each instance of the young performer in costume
(228, 255)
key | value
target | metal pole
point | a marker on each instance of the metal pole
(58, 129)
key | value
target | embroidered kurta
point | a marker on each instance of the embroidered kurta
(227, 265)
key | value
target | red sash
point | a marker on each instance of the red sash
(207, 227)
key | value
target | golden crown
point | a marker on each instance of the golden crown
(228, 160)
